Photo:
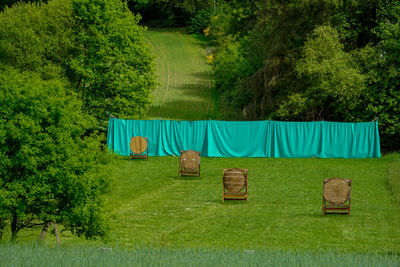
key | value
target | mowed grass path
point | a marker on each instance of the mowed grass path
(154, 207)
(185, 84)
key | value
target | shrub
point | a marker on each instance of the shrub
(49, 170)
(97, 46)
(200, 21)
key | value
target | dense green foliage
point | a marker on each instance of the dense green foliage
(199, 22)
(62, 65)
(16, 255)
(37, 38)
(112, 67)
(332, 86)
(96, 46)
(310, 60)
(167, 13)
(49, 171)
(9, 3)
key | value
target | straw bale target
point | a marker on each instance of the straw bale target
(336, 195)
(139, 147)
(234, 180)
(336, 191)
(189, 163)
(234, 184)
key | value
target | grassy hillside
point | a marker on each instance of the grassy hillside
(185, 84)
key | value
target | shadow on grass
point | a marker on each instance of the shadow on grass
(127, 158)
(233, 202)
(318, 215)
(203, 75)
(187, 178)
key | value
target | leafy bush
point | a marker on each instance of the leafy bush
(96, 45)
(219, 29)
(9, 3)
(333, 85)
(200, 21)
(112, 66)
(49, 170)
(229, 68)
(37, 38)
(60, 63)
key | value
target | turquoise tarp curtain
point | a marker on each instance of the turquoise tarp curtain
(249, 138)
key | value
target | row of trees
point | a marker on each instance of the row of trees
(63, 64)
(96, 46)
(310, 60)
(168, 13)
(298, 60)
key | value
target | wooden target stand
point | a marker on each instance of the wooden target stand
(139, 147)
(336, 196)
(234, 184)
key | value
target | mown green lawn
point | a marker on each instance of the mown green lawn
(184, 77)
(152, 206)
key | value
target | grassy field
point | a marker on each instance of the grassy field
(159, 218)
(185, 84)
(154, 207)
(394, 179)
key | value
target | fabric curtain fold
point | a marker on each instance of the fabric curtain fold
(249, 138)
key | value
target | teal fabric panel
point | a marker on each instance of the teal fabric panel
(325, 140)
(295, 139)
(236, 139)
(181, 135)
(166, 138)
(249, 138)
(120, 133)
(350, 140)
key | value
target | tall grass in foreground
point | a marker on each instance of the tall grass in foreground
(34, 255)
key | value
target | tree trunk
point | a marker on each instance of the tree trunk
(14, 227)
(57, 236)
(2, 226)
(44, 231)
